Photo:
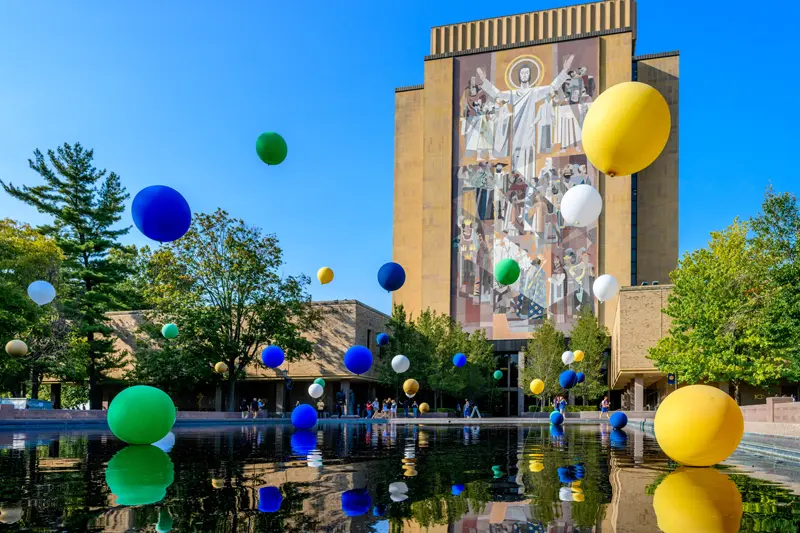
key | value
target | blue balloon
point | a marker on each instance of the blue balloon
(565, 475)
(272, 356)
(269, 499)
(304, 416)
(391, 276)
(457, 489)
(556, 431)
(358, 359)
(161, 213)
(459, 360)
(556, 418)
(581, 377)
(383, 339)
(618, 420)
(356, 502)
(618, 438)
(568, 379)
(303, 442)
(379, 510)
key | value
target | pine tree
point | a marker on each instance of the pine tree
(86, 205)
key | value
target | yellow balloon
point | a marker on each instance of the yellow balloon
(325, 275)
(16, 348)
(536, 466)
(424, 407)
(694, 500)
(626, 128)
(698, 425)
(220, 368)
(579, 356)
(411, 386)
(537, 386)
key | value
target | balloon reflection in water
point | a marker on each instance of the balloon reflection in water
(139, 475)
(269, 499)
(698, 499)
(356, 502)
(10, 515)
(303, 442)
(619, 439)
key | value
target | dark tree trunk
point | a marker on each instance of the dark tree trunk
(95, 402)
(736, 393)
(34, 384)
(231, 407)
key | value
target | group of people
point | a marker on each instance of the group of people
(469, 410)
(388, 408)
(253, 407)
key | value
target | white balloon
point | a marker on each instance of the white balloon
(166, 443)
(400, 363)
(568, 357)
(605, 287)
(41, 292)
(10, 515)
(565, 494)
(398, 487)
(581, 205)
(315, 390)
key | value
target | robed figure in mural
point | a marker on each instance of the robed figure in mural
(523, 102)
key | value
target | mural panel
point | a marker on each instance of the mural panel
(517, 150)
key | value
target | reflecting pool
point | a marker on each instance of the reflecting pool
(360, 477)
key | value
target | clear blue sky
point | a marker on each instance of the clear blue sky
(176, 93)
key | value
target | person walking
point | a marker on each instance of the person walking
(320, 408)
(393, 409)
(475, 411)
(244, 407)
(369, 410)
(604, 405)
(562, 406)
(458, 407)
(415, 407)
(254, 408)
(466, 408)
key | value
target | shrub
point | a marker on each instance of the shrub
(445, 410)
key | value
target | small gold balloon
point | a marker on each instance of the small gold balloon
(16, 348)
(220, 368)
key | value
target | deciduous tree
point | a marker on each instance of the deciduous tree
(593, 339)
(543, 360)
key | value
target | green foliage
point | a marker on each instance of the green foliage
(718, 307)
(591, 337)
(430, 341)
(221, 284)
(74, 394)
(543, 360)
(445, 410)
(85, 205)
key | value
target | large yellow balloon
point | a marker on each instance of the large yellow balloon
(695, 500)
(698, 425)
(626, 128)
(325, 275)
(579, 356)
(220, 368)
(16, 348)
(424, 407)
(410, 386)
(537, 386)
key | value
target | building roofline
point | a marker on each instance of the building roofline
(409, 88)
(350, 302)
(550, 40)
(647, 287)
(516, 14)
(644, 57)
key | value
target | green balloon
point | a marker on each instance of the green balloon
(141, 415)
(506, 272)
(139, 475)
(169, 331)
(498, 374)
(320, 382)
(271, 148)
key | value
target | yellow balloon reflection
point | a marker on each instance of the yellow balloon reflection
(698, 500)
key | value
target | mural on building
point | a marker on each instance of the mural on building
(517, 150)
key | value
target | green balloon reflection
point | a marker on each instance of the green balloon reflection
(139, 475)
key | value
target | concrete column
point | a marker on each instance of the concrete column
(218, 399)
(346, 390)
(280, 386)
(55, 395)
(638, 393)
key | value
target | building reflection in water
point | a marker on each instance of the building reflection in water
(462, 479)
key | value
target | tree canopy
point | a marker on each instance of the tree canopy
(221, 284)
(593, 339)
(543, 360)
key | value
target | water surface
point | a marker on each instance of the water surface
(358, 477)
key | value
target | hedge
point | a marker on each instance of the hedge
(445, 410)
(570, 408)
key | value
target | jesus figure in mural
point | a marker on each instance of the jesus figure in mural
(523, 103)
